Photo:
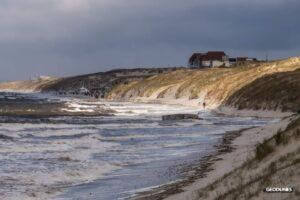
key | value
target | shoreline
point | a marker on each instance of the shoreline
(216, 108)
(209, 168)
(234, 150)
(217, 163)
(200, 169)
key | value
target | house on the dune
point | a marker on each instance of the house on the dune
(209, 59)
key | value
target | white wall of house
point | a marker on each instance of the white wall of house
(227, 63)
(217, 63)
(206, 63)
(210, 63)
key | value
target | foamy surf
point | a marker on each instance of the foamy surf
(49, 156)
(75, 157)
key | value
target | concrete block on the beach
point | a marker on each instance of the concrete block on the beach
(180, 117)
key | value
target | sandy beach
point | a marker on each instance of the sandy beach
(236, 148)
(243, 149)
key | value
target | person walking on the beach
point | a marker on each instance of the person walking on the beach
(204, 104)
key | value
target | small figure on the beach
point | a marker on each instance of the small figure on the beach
(204, 104)
(96, 95)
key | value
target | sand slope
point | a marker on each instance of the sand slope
(264, 157)
(223, 86)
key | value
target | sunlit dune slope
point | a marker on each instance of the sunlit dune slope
(230, 86)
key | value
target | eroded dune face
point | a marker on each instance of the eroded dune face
(217, 86)
(28, 85)
(221, 85)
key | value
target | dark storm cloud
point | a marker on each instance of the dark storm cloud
(66, 37)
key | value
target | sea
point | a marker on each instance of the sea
(101, 157)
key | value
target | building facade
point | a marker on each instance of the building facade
(209, 59)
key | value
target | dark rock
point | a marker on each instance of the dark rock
(180, 117)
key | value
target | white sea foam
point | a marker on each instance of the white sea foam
(78, 107)
(45, 130)
(148, 109)
(43, 159)
(40, 184)
(71, 158)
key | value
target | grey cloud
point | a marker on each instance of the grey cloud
(67, 37)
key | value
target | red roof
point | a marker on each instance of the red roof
(211, 55)
(214, 55)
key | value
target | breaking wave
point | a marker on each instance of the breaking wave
(69, 157)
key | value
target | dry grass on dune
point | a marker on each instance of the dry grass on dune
(276, 163)
(270, 85)
(216, 85)
(276, 91)
(28, 85)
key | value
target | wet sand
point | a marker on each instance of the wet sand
(194, 171)
(235, 148)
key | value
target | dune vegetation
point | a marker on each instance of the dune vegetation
(28, 85)
(275, 163)
(277, 81)
(271, 85)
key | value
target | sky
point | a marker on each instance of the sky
(69, 37)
